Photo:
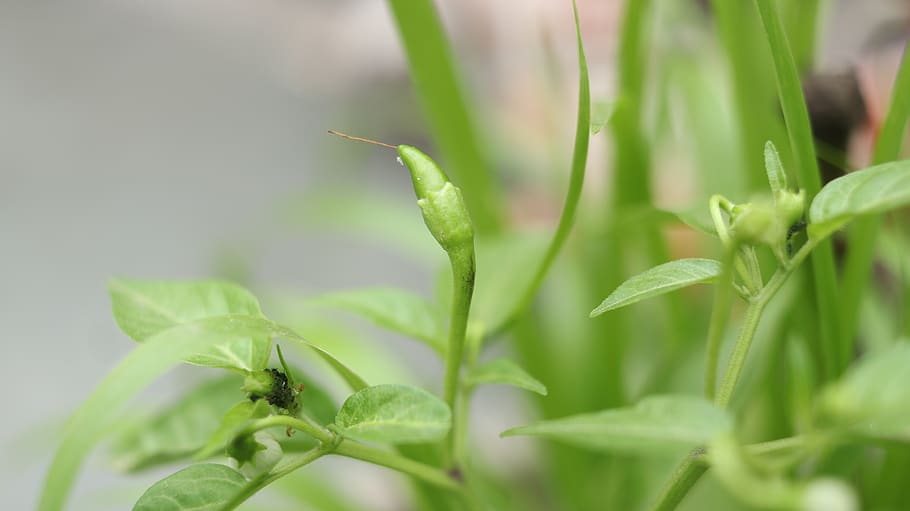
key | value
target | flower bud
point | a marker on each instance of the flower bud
(755, 224)
(789, 206)
(273, 386)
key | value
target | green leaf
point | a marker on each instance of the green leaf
(777, 178)
(660, 280)
(395, 309)
(864, 192)
(145, 308)
(352, 378)
(573, 194)
(874, 396)
(204, 487)
(653, 426)
(506, 372)
(143, 365)
(177, 431)
(394, 414)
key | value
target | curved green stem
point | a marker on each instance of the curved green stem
(330, 443)
(398, 463)
(576, 182)
(304, 425)
(463, 269)
(684, 478)
(283, 468)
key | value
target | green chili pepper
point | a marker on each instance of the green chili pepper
(443, 207)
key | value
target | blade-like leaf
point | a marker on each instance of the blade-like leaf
(395, 309)
(659, 280)
(178, 430)
(145, 308)
(506, 372)
(654, 425)
(204, 487)
(394, 414)
(573, 194)
(872, 190)
(777, 178)
(874, 396)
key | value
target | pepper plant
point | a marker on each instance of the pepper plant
(845, 403)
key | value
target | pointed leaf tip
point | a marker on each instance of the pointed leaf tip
(660, 280)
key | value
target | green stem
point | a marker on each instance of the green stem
(684, 478)
(463, 269)
(398, 463)
(740, 351)
(862, 234)
(576, 181)
(720, 311)
(330, 444)
(796, 116)
(283, 468)
(305, 426)
(689, 471)
(750, 324)
(774, 446)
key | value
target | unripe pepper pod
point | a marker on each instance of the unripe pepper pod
(425, 173)
(443, 207)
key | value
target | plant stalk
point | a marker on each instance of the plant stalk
(463, 270)
(720, 312)
(683, 479)
(398, 463)
(690, 470)
(333, 444)
(283, 468)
